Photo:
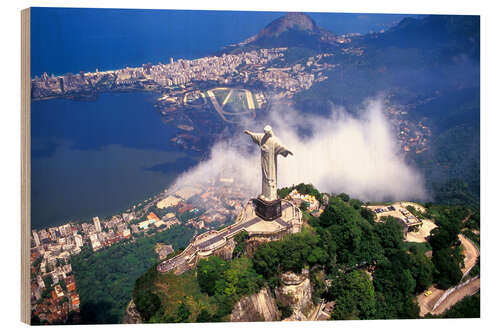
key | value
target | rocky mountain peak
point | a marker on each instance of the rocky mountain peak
(291, 21)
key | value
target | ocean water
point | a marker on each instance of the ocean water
(73, 39)
(99, 157)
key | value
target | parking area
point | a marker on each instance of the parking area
(416, 230)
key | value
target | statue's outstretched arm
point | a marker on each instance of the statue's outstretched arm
(256, 137)
(282, 150)
(286, 152)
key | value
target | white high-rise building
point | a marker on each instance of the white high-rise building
(79, 240)
(36, 238)
(97, 224)
(94, 242)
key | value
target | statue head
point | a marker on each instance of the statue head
(268, 130)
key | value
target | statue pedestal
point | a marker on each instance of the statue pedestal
(267, 210)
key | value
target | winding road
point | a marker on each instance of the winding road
(471, 254)
(427, 303)
(457, 295)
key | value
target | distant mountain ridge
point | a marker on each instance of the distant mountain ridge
(453, 34)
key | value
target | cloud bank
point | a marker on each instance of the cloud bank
(339, 153)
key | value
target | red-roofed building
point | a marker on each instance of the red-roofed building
(185, 208)
(206, 195)
(75, 301)
(152, 216)
(71, 287)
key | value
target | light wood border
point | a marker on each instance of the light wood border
(25, 166)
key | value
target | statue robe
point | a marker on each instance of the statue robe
(270, 148)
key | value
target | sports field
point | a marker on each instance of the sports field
(232, 103)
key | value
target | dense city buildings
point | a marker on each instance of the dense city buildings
(204, 207)
(243, 68)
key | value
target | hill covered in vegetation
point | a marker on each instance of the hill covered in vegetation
(106, 279)
(364, 266)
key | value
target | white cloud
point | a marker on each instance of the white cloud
(341, 153)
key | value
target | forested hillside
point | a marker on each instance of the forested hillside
(366, 267)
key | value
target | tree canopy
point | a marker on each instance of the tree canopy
(372, 272)
(354, 296)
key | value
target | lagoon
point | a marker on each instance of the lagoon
(98, 158)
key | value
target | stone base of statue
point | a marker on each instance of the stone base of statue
(267, 210)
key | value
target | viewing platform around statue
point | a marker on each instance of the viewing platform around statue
(221, 242)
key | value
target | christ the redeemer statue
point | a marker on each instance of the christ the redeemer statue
(270, 148)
